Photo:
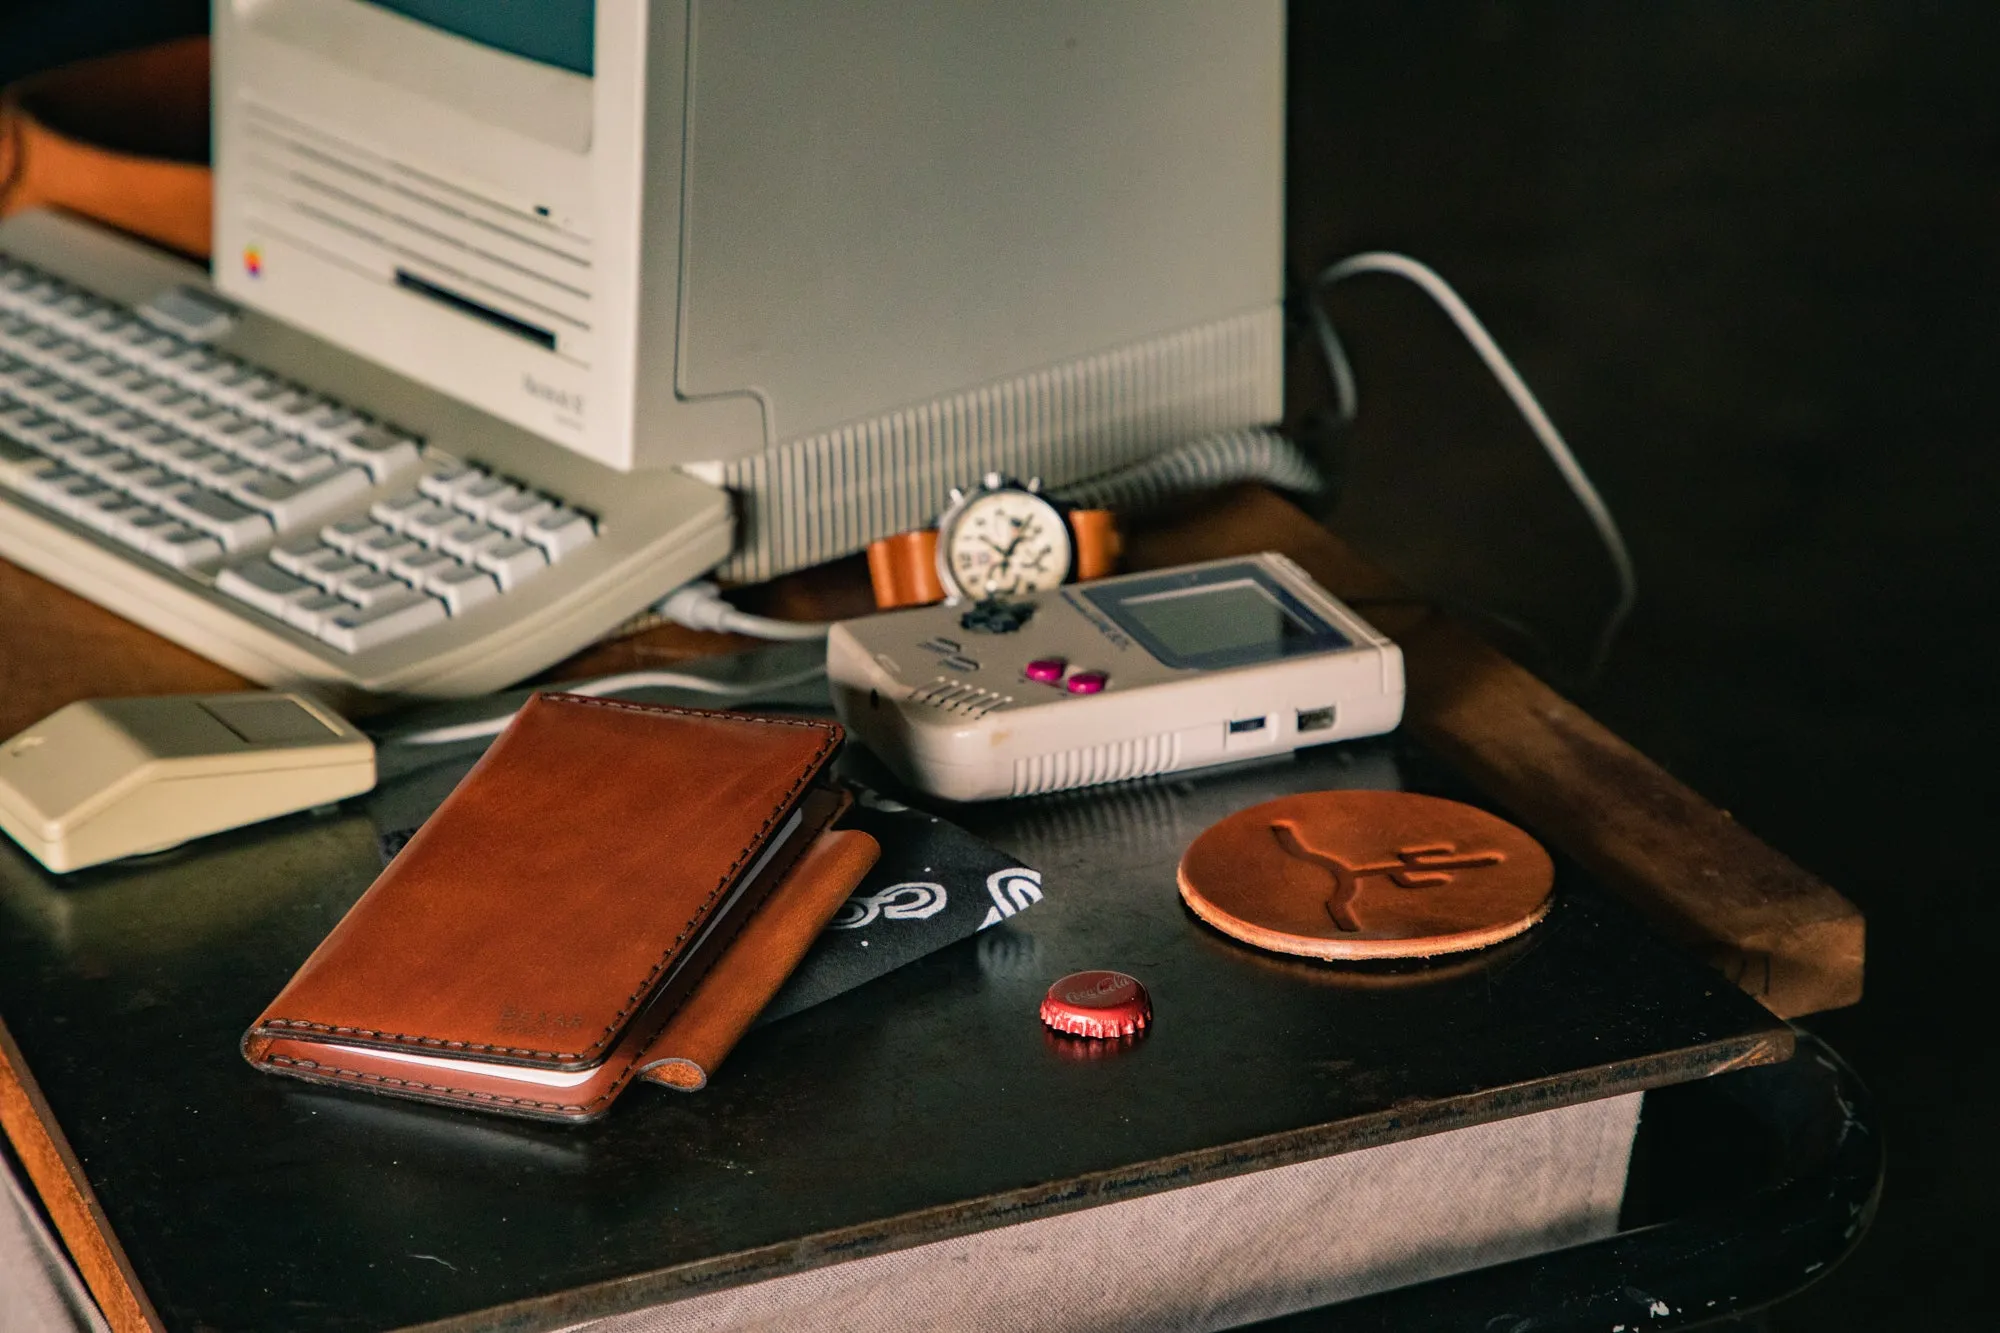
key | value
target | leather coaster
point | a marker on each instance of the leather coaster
(1366, 874)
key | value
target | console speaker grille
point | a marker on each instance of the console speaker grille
(1097, 763)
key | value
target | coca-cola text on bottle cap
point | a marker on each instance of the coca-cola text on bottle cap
(1097, 1004)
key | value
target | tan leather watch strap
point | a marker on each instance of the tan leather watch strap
(903, 570)
(1098, 543)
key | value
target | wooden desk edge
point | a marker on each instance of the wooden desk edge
(72, 1205)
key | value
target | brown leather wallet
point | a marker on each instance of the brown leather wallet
(614, 891)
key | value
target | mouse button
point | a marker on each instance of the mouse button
(269, 719)
(172, 727)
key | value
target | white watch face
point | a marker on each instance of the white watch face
(1007, 541)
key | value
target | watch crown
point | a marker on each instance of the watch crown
(994, 481)
(1035, 485)
(956, 495)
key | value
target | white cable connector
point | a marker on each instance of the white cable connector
(699, 605)
(1349, 401)
(630, 680)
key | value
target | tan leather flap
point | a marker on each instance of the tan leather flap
(742, 982)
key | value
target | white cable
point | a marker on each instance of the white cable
(1208, 463)
(699, 605)
(630, 680)
(1440, 291)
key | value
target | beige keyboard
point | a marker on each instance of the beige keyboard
(347, 546)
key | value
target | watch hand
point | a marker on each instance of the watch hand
(1023, 529)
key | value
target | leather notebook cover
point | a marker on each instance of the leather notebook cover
(583, 888)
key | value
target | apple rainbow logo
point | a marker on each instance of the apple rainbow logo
(253, 261)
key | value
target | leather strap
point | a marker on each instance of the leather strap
(725, 1002)
(903, 568)
(100, 138)
(1098, 543)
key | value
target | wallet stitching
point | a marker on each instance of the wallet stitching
(830, 737)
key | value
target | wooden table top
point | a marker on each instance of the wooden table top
(1783, 936)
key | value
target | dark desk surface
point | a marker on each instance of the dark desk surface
(925, 1104)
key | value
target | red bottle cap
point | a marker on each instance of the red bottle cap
(1097, 1004)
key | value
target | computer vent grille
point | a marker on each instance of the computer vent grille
(955, 696)
(1097, 763)
(827, 495)
(374, 214)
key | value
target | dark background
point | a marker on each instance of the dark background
(1745, 251)
(1746, 254)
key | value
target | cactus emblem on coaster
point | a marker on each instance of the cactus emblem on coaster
(1366, 874)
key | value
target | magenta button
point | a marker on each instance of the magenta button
(1087, 682)
(1045, 668)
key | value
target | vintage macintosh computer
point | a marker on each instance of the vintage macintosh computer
(522, 315)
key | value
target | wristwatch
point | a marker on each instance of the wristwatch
(1001, 538)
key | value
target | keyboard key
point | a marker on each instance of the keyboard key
(182, 546)
(464, 538)
(383, 450)
(371, 587)
(159, 443)
(19, 463)
(263, 585)
(333, 417)
(231, 429)
(64, 491)
(303, 463)
(127, 429)
(155, 484)
(144, 528)
(516, 514)
(561, 531)
(259, 444)
(293, 504)
(383, 550)
(351, 532)
(444, 484)
(86, 409)
(227, 473)
(95, 457)
(330, 568)
(429, 526)
(291, 556)
(186, 455)
(235, 525)
(310, 615)
(462, 587)
(479, 498)
(359, 630)
(390, 513)
(420, 565)
(108, 512)
(512, 561)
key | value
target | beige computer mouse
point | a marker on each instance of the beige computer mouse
(106, 778)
